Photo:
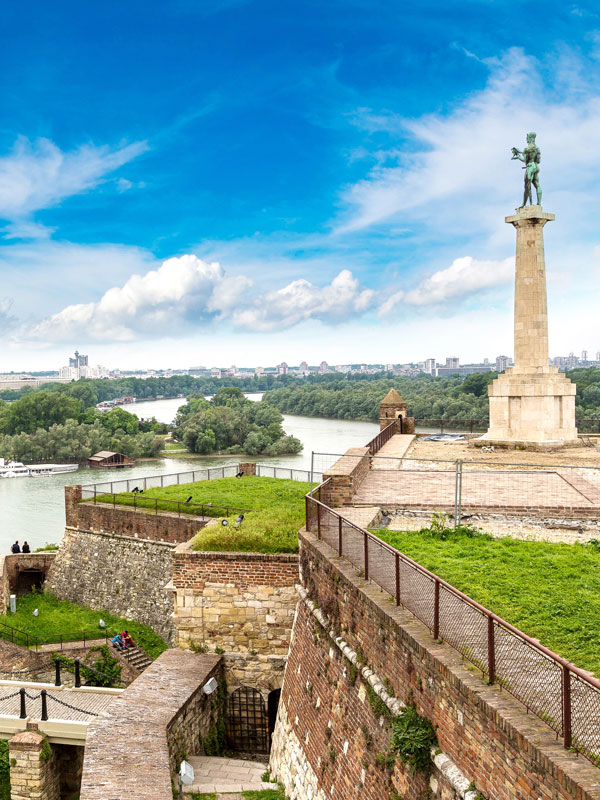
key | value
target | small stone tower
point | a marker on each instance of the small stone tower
(392, 408)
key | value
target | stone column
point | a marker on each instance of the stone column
(532, 405)
(531, 308)
(33, 773)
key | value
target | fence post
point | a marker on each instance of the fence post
(156, 505)
(491, 651)
(318, 520)
(162, 481)
(94, 495)
(57, 671)
(134, 502)
(436, 610)
(366, 540)
(23, 712)
(339, 536)
(566, 698)
(460, 477)
(44, 694)
(77, 674)
(456, 495)
(397, 579)
(306, 512)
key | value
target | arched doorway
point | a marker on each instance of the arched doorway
(29, 580)
(246, 721)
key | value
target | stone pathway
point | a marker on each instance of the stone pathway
(364, 516)
(227, 776)
(395, 447)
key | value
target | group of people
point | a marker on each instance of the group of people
(16, 548)
(122, 641)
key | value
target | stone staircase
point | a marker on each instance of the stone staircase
(227, 776)
(134, 656)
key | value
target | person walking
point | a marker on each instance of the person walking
(15, 548)
(25, 548)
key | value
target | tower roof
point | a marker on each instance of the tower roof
(392, 398)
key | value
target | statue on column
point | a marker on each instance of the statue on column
(531, 156)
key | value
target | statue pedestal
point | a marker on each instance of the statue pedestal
(531, 408)
(532, 405)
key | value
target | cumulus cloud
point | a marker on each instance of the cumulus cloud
(301, 300)
(188, 292)
(39, 174)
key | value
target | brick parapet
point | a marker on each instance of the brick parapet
(486, 734)
(127, 521)
(33, 773)
(133, 751)
(346, 476)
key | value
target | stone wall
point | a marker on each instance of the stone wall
(353, 653)
(135, 748)
(346, 475)
(127, 521)
(120, 574)
(240, 602)
(33, 771)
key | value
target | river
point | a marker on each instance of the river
(32, 509)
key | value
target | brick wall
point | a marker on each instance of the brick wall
(33, 772)
(239, 602)
(346, 475)
(134, 749)
(329, 734)
(124, 520)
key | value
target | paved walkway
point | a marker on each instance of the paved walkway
(227, 775)
(395, 447)
(364, 517)
(88, 703)
(523, 489)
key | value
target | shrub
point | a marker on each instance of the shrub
(413, 737)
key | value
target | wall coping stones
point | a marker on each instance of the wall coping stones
(124, 537)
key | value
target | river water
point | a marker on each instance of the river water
(32, 509)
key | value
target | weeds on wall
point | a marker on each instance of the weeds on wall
(413, 736)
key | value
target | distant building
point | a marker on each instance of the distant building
(107, 459)
(282, 369)
(323, 367)
(215, 372)
(452, 362)
(429, 366)
(584, 356)
(502, 362)
(79, 360)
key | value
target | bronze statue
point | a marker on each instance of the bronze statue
(531, 156)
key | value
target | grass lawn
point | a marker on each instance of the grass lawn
(549, 591)
(276, 511)
(60, 617)
(174, 446)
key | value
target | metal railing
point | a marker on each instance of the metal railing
(160, 481)
(565, 697)
(161, 505)
(34, 641)
(382, 437)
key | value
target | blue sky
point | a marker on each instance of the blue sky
(246, 182)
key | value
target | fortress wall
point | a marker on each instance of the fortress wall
(330, 735)
(124, 520)
(346, 475)
(124, 575)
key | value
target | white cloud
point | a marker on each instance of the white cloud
(39, 175)
(301, 300)
(187, 292)
(462, 278)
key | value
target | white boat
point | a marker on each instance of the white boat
(16, 469)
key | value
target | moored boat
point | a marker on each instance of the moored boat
(16, 469)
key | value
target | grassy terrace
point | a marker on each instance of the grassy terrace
(274, 511)
(549, 591)
(58, 617)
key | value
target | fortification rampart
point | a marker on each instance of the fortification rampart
(21, 572)
(346, 476)
(134, 750)
(355, 654)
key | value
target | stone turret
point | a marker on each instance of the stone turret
(392, 408)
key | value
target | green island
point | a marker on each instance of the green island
(549, 591)
(273, 511)
(58, 618)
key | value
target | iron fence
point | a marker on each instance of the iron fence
(382, 437)
(559, 693)
(159, 505)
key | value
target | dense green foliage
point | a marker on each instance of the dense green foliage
(59, 617)
(272, 528)
(55, 426)
(229, 422)
(426, 397)
(4, 770)
(549, 591)
(105, 670)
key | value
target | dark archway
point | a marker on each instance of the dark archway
(246, 721)
(272, 706)
(29, 580)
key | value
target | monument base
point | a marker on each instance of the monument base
(531, 408)
(536, 447)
